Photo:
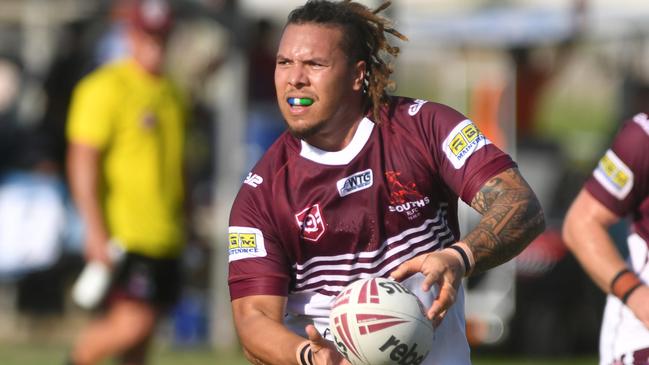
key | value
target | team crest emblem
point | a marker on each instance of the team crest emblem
(405, 198)
(399, 192)
(311, 224)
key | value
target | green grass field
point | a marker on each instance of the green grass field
(55, 354)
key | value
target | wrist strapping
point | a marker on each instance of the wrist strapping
(624, 283)
(466, 255)
(304, 354)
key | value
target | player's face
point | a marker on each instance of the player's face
(312, 66)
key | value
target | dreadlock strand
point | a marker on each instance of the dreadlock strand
(396, 33)
(382, 7)
(379, 81)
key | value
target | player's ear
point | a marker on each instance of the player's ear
(359, 75)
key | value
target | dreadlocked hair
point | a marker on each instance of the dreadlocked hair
(364, 39)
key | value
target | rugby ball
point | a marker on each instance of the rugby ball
(377, 321)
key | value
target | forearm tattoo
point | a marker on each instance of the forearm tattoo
(511, 218)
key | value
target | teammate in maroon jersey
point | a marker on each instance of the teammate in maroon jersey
(363, 184)
(618, 187)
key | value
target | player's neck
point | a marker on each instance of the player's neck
(336, 136)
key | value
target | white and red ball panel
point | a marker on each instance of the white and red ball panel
(377, 321)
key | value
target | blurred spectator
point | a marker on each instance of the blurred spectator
(37, 229)
(126, 130)
(617, 188)
(32, 213)
(533, 74)
(265, 122)
(35, 215)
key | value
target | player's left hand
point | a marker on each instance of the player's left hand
(324, 352)
(442, 268)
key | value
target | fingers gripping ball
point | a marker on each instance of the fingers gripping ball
(377, 321)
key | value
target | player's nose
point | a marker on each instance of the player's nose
(298, 76)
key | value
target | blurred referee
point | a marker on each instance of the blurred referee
(126, 130)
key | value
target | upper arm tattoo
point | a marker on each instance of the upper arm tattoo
(511, 218)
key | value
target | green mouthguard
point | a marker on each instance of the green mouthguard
(300, 101)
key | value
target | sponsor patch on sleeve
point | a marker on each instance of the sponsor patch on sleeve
(614, 175)
(244, 243)
(462, 142)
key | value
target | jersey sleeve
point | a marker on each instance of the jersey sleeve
(257, 263)
(466, 159)
(92, 112)
(621, 179)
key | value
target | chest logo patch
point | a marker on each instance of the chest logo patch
(245, 242)
(356, 182)
(414, 108)
(462, 142)
(311, 224)
(614, 175)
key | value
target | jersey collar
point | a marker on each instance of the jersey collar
(344, 156)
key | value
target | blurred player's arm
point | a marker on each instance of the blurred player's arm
(511, 218)
(83, 174)
(265, 340)
(585, 232)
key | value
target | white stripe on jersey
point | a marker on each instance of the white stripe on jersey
(349, 278)
(441, 215)
(435, 231)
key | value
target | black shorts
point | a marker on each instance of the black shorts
(151, 280)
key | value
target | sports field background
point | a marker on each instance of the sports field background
(34, 354)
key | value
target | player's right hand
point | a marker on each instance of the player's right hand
(637, 303)
(324, 352)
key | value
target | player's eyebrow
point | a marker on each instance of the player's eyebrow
(282, 58)
(317, 60)
(308, 61)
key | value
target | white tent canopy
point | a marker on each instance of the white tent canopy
(511, 26)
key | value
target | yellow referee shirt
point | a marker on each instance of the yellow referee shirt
(137, 121)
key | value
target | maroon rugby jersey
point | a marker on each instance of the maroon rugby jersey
(621, 179)
(310, 221)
